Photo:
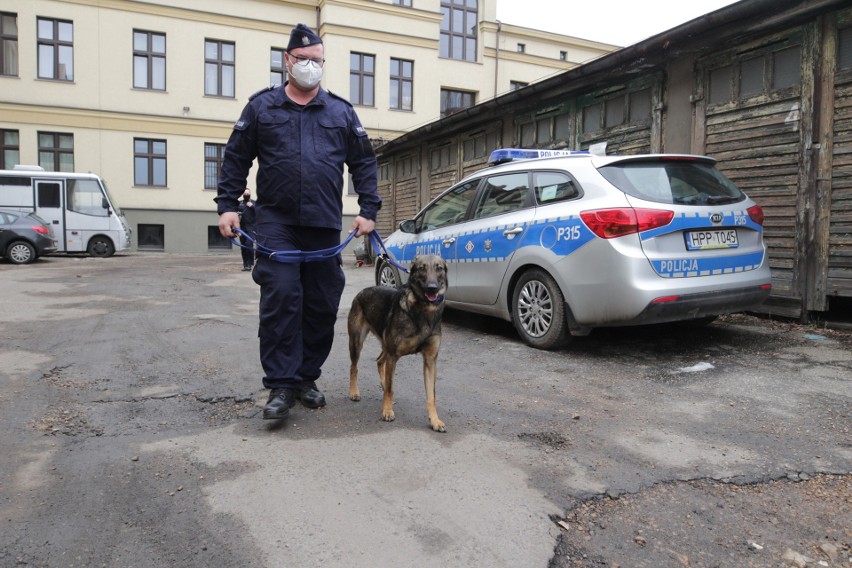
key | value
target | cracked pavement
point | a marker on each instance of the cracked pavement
(130, 399)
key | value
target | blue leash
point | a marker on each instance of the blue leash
(297, 256)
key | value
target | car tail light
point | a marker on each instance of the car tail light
(40, 229)
(755, 212)
(612, 223)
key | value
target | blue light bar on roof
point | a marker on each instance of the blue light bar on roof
(510, 154)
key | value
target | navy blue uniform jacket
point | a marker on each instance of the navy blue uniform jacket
(300, 152)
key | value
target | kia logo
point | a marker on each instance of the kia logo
(716, 218)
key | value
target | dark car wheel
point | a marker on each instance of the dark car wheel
(387, 275)
(538, 311)
(101, 247)
(21, 252)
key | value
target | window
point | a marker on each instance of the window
(10, 149)
(563, 56)
(502, 194)
(149, 60)
(219, 57)
(458, 29)
(8, 44)
(454, 101)
(85, 196)
(213, 156)
(515, 85)
(450, 208)
(56, 151)
(362, 79)
(758, 75)
(551, 187)
(406, 3)
(215, 240)
(151, 237)
(149, 162)
(522, 48)
(401, 84)
(277, 68)
(442, 157)
(844, 48)
(55, 49)
(480, 145)
(626, 109)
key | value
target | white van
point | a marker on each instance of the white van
(78, 207)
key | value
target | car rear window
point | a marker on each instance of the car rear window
(673, 181)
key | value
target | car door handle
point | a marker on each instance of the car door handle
(448, 242)
(513, 232)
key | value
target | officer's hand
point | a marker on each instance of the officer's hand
(362, 225)
(229, 221)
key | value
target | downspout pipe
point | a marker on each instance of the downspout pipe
(497, 57)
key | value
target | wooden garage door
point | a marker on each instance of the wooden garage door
(752, 126)
(839, 278)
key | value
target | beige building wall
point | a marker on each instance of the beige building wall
(105, 113)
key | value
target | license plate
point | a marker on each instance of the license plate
(711, 239)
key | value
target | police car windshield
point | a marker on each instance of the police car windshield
(673, 182)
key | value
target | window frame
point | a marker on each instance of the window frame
(56, 150)
(7, 41)
(150, 157)
(362, 76)
(467, 40)
(9, 147)
(398, 83)
(56, 46)
(446, 93)
(149, 55)
(220, 65)
(214, 162)
(273, 70)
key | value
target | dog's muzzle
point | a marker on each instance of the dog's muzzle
(433, 294)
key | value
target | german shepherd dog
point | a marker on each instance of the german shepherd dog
(406, 320)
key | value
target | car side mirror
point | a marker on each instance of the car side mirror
(407, 226)
(104, 203)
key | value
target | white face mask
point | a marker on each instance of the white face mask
(306, 74)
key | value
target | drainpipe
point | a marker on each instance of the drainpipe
(497, 58)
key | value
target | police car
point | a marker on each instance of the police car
(561, 242)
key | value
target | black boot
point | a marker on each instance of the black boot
(279, 403)
(311, 396)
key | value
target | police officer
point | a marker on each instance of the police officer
(301, 136)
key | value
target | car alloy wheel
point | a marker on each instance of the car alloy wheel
(388, 276)
(538, 310)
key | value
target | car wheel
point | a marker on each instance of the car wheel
(100, 247)
(538, 311)
(387, 275)
(21, 252)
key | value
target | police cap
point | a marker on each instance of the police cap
(302, 36)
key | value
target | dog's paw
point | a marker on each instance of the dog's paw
(355, 397)
(388, 416)
(437, 426)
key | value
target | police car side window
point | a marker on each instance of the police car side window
(551, 187)
(449, 208)
(502, 194)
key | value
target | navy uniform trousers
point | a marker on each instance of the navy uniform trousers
(298, 304)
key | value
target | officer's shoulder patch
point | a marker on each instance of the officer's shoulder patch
(240, 125)
(338, 97)
(260, 92)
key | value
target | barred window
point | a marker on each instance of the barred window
(213, 156)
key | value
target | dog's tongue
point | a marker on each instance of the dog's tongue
(431, 297)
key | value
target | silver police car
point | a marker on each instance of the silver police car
(561, 242)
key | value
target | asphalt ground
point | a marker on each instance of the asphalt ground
(130, 402)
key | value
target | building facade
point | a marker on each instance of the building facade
(145, 93)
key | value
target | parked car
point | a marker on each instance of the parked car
(24, 237)
(561, 242)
